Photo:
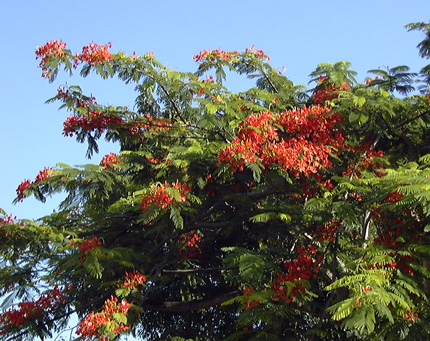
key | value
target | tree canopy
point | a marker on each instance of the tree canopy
(275, 213)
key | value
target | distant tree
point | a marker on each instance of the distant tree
(276, 213)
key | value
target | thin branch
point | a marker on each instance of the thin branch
(187, 137)
(175, 106)
(179, 306)
(366, 226)
(263, 190)
(400, 125)
(188, 271)
(269, 80)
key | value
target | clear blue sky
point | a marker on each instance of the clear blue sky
(296, 34)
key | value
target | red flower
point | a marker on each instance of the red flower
(93, 121)
(53, 48)
(300, 141)
(327, 92)
(44, 174)
(93, 324)
(87, 245)
(367, 156)
(248, 302)
(22, 188)
(297, 273)
(25, 185)
(110, 159)
(394, 197)
(327, 231)
(161, 198)
(94, 54)
(42, 308)
(213, 55)
(190, 246)
(367, 289)
(410, 315)
(133, 279)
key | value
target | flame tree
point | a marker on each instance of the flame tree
(274, 213)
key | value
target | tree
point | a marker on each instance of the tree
(275, 213)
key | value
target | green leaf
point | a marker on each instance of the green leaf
(286, 218)
(233, 300)
(314, 204)
(342, 309)
(370, 320)
(359, 101)
(175, 215)
(251, 266)
(256, 170)
(93, 266)
(359, 117)
(120, 318)
(122, 292)
(263, 217)
(211, 108)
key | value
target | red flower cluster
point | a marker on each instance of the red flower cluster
(95, 118)
(394, 197)
(154, 124)
(257, 53)
(298, 140)
(297, 272)
(310, 190)
(63, 93)
(94, 54)
(255, 137)
(367, 161)
(44, 174)
(190, 246)
(110, 159)
(367, 289)
(370, 80)
(53, 48)
(213, 55)
(94, 323)
(327, 231)
(100, 121)
(22, 188)
(410, 315)
(327, 92)
(161, 198)
(87, 245)
(248, 302)
(133, 279)
(42, 308)
(94, 121)
(390, 237)
(10, 219)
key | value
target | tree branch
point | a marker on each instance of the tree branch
(269, 80)
(265, 189)
(179, 306)
(187, 271)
